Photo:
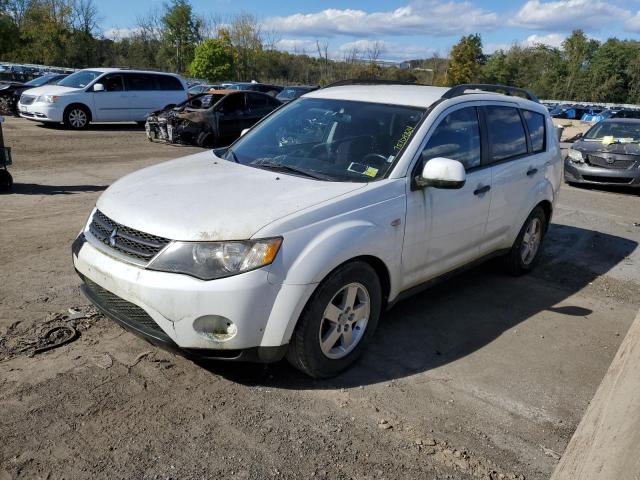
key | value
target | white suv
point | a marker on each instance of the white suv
(102, 95)
(295, 239)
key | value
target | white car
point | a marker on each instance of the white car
(102, 95)
(295, 239)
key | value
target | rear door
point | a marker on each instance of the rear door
(258, 105)
(112, 104)
(233, 110)
(445, 227)
(143, 96)
(516, 141)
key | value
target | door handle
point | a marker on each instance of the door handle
(532, 171)
(482, 190)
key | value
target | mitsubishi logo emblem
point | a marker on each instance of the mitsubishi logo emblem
(112, 237)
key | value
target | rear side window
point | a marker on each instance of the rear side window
(456, 137)
(167, 82)
(506, 133)
(256, 101)
(535, 125)
(140, 81)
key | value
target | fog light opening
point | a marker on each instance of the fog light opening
(215, 327)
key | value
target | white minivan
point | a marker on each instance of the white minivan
(295, 239)
(102, 95)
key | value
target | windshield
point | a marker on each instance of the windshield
(334, 140)
(36, 82)
(626, 130)
(80, 79)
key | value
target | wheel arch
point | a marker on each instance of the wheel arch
(79, 104)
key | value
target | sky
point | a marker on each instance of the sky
(405, 29)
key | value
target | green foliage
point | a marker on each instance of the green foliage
(181, 34)
(466, 60)
(213, 60)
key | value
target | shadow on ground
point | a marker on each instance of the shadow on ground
(460, 316)
(105, 127)
(37, 189)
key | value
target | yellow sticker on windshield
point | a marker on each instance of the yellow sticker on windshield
(371, 172)
(608, 140)
(403, 139)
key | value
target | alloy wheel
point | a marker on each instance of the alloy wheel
(531, 241)
(344, 321)
(77, 118)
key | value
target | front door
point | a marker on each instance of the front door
(445, 227)
(112, 104)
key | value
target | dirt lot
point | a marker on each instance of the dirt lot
(482, 374)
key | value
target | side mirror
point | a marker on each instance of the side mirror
(442, 173)
(98, 87)
(244, 131)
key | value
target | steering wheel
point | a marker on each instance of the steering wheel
(321, 151)
(375, 158)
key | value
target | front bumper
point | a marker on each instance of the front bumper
(162, 307)
(584, 173)
(41, 112)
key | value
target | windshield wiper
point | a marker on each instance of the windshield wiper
(293, 169)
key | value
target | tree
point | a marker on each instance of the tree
(213, 60)
(181, 32)
(466, 60)
(578, 52)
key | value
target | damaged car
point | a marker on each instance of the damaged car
(10, 91)
(210, 119)
(607, 154)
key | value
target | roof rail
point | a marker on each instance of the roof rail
(487, 87)
(370, 81)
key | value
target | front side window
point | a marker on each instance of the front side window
(336, 140)
(80, 79)
(233, 104)
(535, 125)
(506, 133)
(256, 101)
(113, 83)
(456, 137)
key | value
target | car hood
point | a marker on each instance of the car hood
(202, 197)
(52, 90)
(615, 148)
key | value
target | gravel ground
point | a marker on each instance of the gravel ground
(484, 376)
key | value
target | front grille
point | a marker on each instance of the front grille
(27, 99)
(616, 163)
(620, 180)
(120, 308)
(128, 241)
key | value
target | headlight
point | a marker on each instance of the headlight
(575, 155)
(210, 260)
(48, 98)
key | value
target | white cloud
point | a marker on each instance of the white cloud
(422, 17)
(633, 23)
(551, 40)
(567, 15)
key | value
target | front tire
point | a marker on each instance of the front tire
(526, 250)
(338, 321)
(6, 181)
(76, 117)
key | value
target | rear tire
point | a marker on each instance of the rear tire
(6, 181)
(76, 117)
(338, 322)
(525, 252)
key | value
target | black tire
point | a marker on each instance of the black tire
(514, 262)
(73, 117)
(305, 352)
(6, 181)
